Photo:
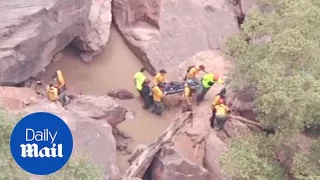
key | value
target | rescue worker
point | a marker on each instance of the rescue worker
(158, 95)
(207, 81)
(146, 94)
(54, 94)
(58, 80)
(193, 71)
(221, 95)
(221, 115)
(160, 79)
(187, 98)
(216, 101)
(139, 79)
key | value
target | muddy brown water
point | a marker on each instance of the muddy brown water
(113, 68)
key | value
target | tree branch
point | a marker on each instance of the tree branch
(140, 165)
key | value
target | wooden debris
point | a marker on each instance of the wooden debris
(140, 165)
(244, 120)
(136, 153)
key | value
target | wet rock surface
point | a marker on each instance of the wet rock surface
(12, 98)
(170, 165)
(215, 147)
(90, 137)
(32, 32)
(121, 94)
(165, 33)
(206, 145)
(98, 108)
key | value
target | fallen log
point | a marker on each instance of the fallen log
(244, 120)
(136, 153)
(140, 165)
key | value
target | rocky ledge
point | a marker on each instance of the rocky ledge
(165, 33)
(90, 118)
(169, 164)
(32, 32)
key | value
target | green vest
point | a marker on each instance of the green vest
(206, 79)
(139, 77)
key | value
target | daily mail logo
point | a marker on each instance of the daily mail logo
(40, 139)
(32, 150)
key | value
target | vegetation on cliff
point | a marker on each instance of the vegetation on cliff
(77, 168)
(278, 54)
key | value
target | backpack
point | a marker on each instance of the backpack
(189, 68)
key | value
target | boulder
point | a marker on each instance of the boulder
(170, 165)
(57, 57)
(88, 56)
(92, 137)
(96, 34)
(32, 32)
(215, 147)
(12, 98)
(121, 94)
(165, 33)
(98, 108)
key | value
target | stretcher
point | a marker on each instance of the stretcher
(177, 87)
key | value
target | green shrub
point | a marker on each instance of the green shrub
(78, 168)
(8, 167)
(285, 69)
(249, 159)
(306, 165)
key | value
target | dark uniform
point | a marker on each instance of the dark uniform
(147, 96)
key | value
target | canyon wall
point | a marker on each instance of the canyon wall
(32, 32)
(165, 33)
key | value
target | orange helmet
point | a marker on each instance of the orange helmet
(216, 77)
(221, 101)
(202, 67)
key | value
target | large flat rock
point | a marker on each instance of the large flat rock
(215, 148)
(165, 33)
(31, 32)
(91, 137)
(12, 98)
(98, 108)
(169, 164)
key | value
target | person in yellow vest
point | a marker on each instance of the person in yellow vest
(59, 80)
(221, 95)
(160, 79)
(187, 98)
(157, 94)
(221, 115)
(217, 101)
(139, 79)
(207, 81)
(193, 71)
(54, 94)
